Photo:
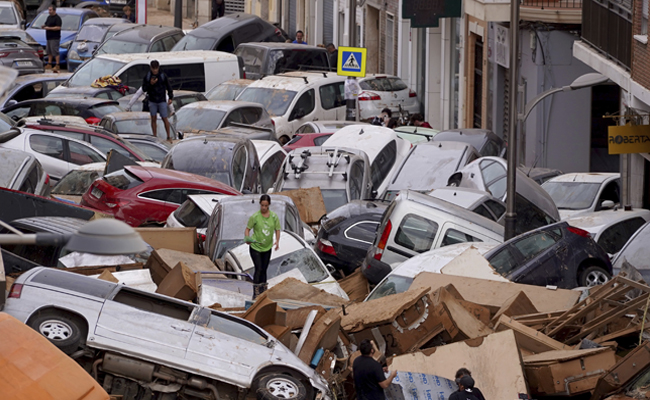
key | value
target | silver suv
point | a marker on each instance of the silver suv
(153, 344)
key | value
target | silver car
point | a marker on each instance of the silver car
(157, 343)
(22, 171)
(19, 56)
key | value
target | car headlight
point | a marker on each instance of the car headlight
(66, 45)
(73, 55)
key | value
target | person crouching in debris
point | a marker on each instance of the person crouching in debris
(466, 389)
(369, 378)
(263, 223)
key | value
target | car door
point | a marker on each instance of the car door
(614, 237)
(50, 152)
(82, 154)
(454, 234)
(303, 110)
(17, 112)
(539, 265)
(157, 47)
(331, 100)
(136, 321)
(228, 347)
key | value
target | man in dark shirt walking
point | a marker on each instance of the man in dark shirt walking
(369, 378)
(53, 36)
(154, 84)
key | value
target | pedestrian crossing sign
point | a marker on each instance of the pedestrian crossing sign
(352, 61)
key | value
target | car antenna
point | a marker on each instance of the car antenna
(534, 164)
(361, 132)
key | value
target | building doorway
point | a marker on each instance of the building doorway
(605, 99)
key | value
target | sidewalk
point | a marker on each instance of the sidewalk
(165, 18)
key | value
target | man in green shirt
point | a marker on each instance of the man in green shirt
(263, 223)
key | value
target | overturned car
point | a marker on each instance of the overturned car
(150, 346)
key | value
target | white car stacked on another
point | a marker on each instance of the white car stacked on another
(294, 259)
(385, 91)
(580, 193)
(385, 149)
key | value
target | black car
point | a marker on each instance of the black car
(92, 109)
(21, 257)
(262, 59)
(229, 159)
(485, 141)
(141, 39)
(346, 233)
(227, 32)
(152, 146)
(557, 255)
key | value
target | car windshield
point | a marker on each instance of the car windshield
(105, 109)
(93, 69)
(69, 22)
(334, 198)
(436, 165)
(7, 16)
(275, 101)
(198, 119)
(116, 46)
(303, 260)
(198, 158)
(190, 42)
(75, 183)
(224, 92)
(6, 123)
(91, 33)
(139, 126)
(572, 195)
(393, 284)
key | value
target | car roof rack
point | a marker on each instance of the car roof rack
(334, 158)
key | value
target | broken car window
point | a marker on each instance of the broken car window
(75, 183)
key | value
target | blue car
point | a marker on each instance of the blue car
(91, 35)
(72, 18)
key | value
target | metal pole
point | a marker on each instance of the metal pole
(511, 213)
(178, 14)
(352, 28)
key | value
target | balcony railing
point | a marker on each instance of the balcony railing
(552, 3)
(607, 26)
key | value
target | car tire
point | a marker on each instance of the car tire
(64, 331)
(593, 276)
(284, 140)
(275, 386)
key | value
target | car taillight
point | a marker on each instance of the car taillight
(326, 247)
(383, 240)
(16, 290)
(4, 54)
(273, 122)
(369, 96)
(412, 93)
(579, 232)
(200, 237)
(112, 203)
(93, 120)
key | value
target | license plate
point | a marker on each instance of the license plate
(118, 1)
(24, 63)
(96, 193)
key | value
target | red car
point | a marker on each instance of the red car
(103, 140)
(306, 140)
(146, 196)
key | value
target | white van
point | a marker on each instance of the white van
(415, 223)
(198, 70)
(293, 98)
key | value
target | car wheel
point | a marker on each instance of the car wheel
(593, 276)
(64, 331)
(284, 140)
(280, 386)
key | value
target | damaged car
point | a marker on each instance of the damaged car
(156, 346)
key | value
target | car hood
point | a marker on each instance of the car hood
(39, 35)
(565, 214)
(84, 46)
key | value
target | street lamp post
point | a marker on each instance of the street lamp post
(511, 213)
(581, 82)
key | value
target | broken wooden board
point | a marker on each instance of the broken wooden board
(94, 270)
(359, 316)
(356, 286)
(309, 202)
(323, 334)
(162, 261)
(296, 318)
(179, 239)
(527, 338)
(567, 372)
(180, 282)
(293, 289)
(496, 294)
(467, 324)
(472, 263)
(494, 361)
(623, 372)
(518, 304)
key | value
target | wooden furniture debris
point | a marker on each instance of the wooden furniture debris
(162, 261)
(309, 202)
(355, 286)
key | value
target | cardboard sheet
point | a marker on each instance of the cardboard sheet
(309, 202)
(293, 289)
(493, 360)
(495, 294)
(180, 239)
(472, 263)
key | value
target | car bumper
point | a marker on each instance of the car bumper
(371, 109)
(374, 270)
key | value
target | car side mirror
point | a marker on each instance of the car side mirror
(11, 103)
(374, 194)
(23, 24)
(607, 204)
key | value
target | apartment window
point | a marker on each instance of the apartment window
(390, 44)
